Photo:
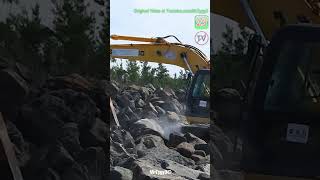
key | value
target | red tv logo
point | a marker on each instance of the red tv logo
(201, 38)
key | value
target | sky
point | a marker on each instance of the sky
(46, 7)
(123, 21)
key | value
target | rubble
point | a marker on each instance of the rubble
(59, 130)
(62, 131)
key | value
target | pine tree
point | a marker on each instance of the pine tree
(162, 75)
(147, 74)
(133, 71)
(74, 27)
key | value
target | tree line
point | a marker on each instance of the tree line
(141, 73)
(75, 43)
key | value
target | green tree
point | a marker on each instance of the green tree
(133, 71)
(75, 28)
(147, 73)
(162, 75)
(230, 61)
(117, 72)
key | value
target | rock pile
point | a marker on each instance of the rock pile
(62, 131)
(150, 143)
(59, 131)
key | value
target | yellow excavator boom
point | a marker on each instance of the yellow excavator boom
(269, 14)
(159, 50)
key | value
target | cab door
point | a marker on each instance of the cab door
(282, 130)
(198, 98)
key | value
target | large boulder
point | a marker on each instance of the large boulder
(72, 81)
(192, 139)
(152, 146)
(84, 110)
(107, 87)
(185, 149)
(144, 92)
(120, 173)
(123, 137)
(199, 130)
(70, 138)
(146, 126)
(97, 135)
(175, 139)
(43, 118)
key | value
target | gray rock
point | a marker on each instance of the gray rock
(84, 109)
(158, 103)
(132, 116)
(172, 116)
(155, 99)
(140, 103)
(123, 137)
(199, 130)
(202, 147)
(109, 88)
(197, 158)
(132, 104)
(151, 87)
(70, 138)
(149, 115)
(163, 94)
(144, 92)
(44, 118)
(185, 149)
(192, 139)
(203, 176)
(96, 135)
(146, 126)
(120, 173)
(73, 81)
(151, 108)
(169, 106)
(160, 111)
(153, 147)
(200, 153)
(176, 139)
(149, 141)
(123, 100)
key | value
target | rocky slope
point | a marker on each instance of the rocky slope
(63, 130)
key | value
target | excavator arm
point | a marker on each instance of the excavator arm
(271, 14)
(159, 50)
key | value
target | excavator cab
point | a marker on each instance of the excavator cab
(282, 127)
(198, 98)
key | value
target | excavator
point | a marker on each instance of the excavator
(280, 106)
(159, 50)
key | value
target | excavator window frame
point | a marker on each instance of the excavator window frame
(296, 33)
(275, 121)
